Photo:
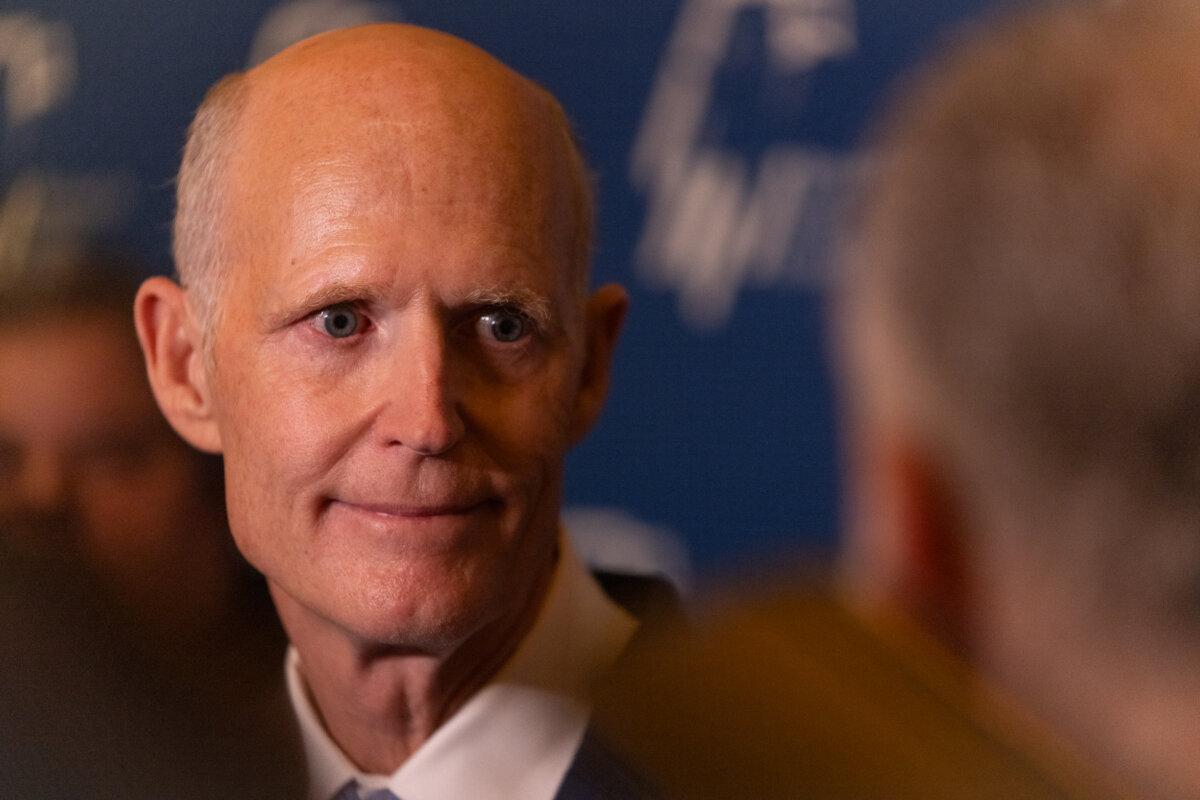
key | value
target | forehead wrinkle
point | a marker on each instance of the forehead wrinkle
(328, 196)
(392, 163)
(444, 122)
(344, 292)
(326, 280)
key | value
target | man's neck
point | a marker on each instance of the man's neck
(379, 704)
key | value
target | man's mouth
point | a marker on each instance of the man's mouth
(416, 510)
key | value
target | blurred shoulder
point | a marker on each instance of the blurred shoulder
(791, 692)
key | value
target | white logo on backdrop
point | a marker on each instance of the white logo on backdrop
(718, 220)
(292, 21)
(38, 61)
(45, 217)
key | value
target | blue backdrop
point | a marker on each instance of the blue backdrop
(722, 133)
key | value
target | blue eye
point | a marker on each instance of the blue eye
(504, 326)
(339, 321)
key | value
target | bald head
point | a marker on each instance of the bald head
(397, 92)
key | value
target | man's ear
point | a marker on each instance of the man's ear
(935, 579)
(172, 346)
(603, 316)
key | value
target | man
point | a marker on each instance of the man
(92, 479)
(1019, 336)
(1020, 325)
(382, 238)
(136, 641)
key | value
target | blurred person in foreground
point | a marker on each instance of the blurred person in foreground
(1019, 333)
(123, 602)
(93, 479)
(383, 324)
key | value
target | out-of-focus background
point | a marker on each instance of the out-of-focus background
(723, 136)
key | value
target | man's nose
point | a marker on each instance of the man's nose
(423, 412)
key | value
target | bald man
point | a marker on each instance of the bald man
(382, 323)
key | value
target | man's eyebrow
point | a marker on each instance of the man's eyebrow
(535, 305)
(329, 294)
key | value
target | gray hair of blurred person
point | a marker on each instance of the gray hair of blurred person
(1028, 253)
(204, 240)
(1022, 300)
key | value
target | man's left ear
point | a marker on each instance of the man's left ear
(603, 316)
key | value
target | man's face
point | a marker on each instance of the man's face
(396, 368)
(89, 472)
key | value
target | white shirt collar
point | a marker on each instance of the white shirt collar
(517, 736)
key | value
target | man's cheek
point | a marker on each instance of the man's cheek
(267, 404)
(524, 426)
(314, 431)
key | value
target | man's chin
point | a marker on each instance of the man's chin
(431, 602)
(429, 625)
(433, 622)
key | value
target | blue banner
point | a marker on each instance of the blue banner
(723, 134)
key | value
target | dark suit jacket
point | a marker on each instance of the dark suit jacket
(598, 772)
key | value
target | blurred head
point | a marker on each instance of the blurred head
(390, 344)
(90, 475)
(1022, 342)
